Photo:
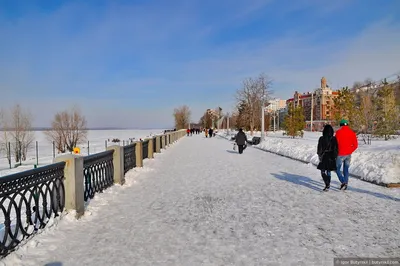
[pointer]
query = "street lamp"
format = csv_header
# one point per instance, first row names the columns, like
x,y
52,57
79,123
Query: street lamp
x,y
262,116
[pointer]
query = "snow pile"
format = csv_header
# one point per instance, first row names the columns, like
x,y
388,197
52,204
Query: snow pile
x,y
378,163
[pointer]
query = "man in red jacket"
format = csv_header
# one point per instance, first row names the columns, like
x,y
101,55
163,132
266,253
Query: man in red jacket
x,y
347,144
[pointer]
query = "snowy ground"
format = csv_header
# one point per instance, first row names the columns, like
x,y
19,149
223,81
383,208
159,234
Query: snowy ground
x,y
96,140
378,162
201,203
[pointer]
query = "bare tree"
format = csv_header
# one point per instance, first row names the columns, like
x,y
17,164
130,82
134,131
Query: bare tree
x,y
206,120
17,130
250,98
68,129
182,117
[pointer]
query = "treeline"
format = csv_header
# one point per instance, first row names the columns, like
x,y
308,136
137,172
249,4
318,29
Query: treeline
x,y
370,108
68,129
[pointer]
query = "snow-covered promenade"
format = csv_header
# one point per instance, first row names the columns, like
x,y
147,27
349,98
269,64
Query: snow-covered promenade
x,y
201,203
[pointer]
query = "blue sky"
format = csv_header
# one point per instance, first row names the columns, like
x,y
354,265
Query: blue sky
x,y
129,63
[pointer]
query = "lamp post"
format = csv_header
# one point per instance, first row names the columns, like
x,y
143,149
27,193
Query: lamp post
x,y
227,122
262,117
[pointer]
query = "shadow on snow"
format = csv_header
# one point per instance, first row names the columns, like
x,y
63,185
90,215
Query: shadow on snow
x,y
318,186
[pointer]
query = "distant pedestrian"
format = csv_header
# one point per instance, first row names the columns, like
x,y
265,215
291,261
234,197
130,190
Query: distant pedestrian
x,y
188,132
210,132
347,144
241,140
327,153
206,132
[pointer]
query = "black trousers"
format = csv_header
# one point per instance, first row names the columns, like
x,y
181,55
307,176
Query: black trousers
x,y
326,176
241,148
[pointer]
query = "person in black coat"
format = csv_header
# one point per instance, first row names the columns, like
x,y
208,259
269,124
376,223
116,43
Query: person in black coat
x,y
241,140
327,152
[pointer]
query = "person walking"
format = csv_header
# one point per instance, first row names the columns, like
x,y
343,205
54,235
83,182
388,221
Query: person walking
x,y
327,151
210,132
347,144
241,140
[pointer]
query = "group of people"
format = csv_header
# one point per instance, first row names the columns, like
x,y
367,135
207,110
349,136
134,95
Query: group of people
x,y
208,132
334,151
191,131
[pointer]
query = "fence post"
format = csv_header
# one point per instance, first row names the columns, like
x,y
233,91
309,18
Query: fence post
x,y
73,183
158,144
37,153
54,150
139,154
118,162
150,151
9,154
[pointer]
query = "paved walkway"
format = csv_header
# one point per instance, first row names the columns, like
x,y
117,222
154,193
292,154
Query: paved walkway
x,y
200,203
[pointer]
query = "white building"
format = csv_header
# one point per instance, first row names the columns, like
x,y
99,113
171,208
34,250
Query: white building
x,y
276,104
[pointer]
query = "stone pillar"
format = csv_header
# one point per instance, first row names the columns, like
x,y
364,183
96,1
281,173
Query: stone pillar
x,y
158,144
118,162
150,149
139,154
73,183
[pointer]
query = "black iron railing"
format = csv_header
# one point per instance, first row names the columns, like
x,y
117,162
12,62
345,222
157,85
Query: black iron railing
x,y
98,171
155,145
28,200
129,157
145,149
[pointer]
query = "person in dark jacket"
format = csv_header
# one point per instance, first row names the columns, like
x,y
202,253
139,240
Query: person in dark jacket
x,y
327,152
210,132
241,140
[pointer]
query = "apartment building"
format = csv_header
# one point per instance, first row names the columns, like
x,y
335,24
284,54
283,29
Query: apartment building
x,y
318,102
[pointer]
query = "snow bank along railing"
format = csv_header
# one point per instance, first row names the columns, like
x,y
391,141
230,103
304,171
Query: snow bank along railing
x,y
393,185
98,172
29,200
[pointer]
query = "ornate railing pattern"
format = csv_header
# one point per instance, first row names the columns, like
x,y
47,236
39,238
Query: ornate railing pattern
x,y
28,200
155,145
98,171
129,157
145,148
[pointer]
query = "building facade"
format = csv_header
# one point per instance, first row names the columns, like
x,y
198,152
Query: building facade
x,y
276,104
318,105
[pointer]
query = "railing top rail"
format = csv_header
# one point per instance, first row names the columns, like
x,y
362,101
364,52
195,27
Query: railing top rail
x,y
97,156
12,177
20,181
130,146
